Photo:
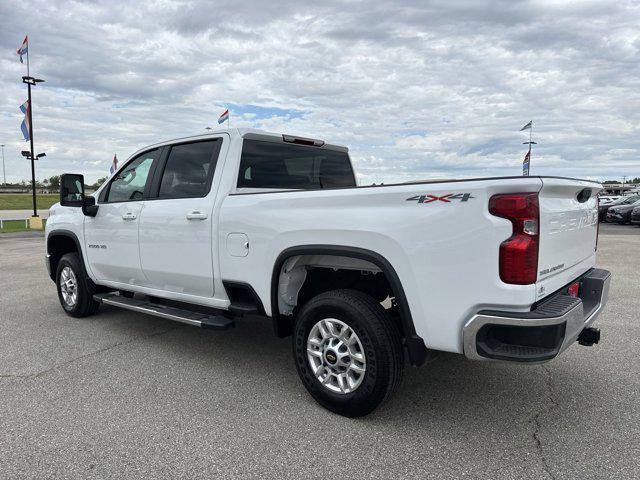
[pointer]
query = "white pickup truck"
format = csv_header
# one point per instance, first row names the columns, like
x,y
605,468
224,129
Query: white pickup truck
x,y
206,229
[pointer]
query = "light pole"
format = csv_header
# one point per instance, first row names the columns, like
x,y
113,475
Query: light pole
x,y
32,81
4,173
27,154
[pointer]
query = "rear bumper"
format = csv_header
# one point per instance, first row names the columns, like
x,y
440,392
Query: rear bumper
x,y
542,333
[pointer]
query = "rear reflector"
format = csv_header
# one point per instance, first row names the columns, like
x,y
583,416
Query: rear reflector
x,y
574,290
519,253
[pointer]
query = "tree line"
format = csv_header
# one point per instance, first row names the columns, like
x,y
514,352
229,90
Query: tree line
x,y
51,183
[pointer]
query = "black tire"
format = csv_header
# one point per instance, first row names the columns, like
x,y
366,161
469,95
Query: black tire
x,y
85,305
380,338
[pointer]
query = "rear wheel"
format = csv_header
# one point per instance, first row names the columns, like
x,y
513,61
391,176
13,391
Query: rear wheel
x,y
75,292
348,352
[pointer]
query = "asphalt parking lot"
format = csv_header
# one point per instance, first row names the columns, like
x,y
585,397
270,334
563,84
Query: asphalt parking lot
x,y
124,395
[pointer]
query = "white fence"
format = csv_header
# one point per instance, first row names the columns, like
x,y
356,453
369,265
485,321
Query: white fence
x,y
25,220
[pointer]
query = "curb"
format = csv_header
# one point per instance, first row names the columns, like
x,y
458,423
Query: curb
x,y
31,234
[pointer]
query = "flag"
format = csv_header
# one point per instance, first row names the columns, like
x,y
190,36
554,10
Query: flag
x,y
24,48
24,126
525,163
114,165
224,117
527,126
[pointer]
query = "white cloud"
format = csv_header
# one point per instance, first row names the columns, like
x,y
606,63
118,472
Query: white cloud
x,y
415,89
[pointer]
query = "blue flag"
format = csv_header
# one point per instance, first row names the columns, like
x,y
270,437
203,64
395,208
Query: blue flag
x,y
24,126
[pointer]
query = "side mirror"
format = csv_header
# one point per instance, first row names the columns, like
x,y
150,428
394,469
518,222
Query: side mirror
x,y
72,194
71,190
89,207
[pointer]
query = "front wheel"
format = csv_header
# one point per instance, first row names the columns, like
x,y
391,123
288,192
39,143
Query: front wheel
x,y
74,291
348,352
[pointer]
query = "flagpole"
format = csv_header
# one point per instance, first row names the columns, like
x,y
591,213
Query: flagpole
x,y
28,74
527,157
29,80
530,137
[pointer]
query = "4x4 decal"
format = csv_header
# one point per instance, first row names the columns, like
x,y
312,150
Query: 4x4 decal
x,y
463,197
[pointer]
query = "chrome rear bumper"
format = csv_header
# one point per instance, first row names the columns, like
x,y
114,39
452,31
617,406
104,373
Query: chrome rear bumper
x,y
544,332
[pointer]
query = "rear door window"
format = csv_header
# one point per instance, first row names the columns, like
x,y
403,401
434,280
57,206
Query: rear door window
x,y
286,166
189,169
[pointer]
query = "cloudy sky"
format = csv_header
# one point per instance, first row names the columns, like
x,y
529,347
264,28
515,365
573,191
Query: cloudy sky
x,y
416,89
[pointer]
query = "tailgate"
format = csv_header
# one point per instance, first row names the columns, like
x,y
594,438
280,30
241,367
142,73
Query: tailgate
x,y
568,232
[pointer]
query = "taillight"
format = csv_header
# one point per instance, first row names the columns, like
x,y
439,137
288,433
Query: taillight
x,y
519,253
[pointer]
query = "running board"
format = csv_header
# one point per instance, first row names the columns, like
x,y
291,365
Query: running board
x,y
189,317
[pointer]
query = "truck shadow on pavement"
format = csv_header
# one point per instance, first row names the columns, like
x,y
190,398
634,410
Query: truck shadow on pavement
x,y
449,392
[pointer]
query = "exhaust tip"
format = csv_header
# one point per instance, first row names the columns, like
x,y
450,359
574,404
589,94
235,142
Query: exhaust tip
x,y
589,336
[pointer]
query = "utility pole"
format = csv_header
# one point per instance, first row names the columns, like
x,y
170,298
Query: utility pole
x,y
624,179
4,173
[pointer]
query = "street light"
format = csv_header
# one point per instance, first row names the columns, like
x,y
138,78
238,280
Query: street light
x,y
31,81
27,155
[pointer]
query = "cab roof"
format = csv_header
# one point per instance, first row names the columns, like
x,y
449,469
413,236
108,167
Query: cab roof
x,y
253,133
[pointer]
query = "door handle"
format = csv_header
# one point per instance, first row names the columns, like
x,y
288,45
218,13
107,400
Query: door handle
x,y
196,215
129,216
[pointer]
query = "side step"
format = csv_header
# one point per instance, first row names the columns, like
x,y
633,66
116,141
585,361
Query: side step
x,y
243,308
189,317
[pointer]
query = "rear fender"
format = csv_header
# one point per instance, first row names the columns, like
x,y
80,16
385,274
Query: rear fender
x,y
418,352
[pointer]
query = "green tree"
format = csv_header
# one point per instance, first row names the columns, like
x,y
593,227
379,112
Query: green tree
x,y
54,182
99,182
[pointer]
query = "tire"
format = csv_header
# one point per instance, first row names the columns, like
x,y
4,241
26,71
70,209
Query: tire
x,y
377,335
83,305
